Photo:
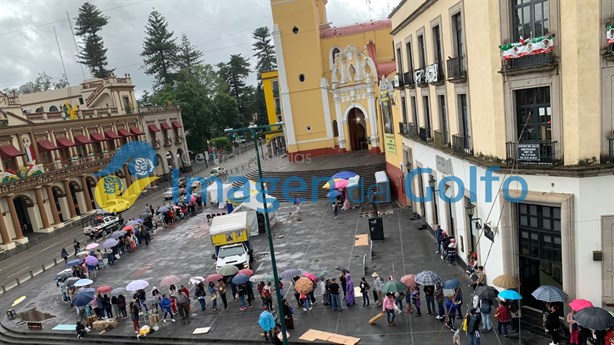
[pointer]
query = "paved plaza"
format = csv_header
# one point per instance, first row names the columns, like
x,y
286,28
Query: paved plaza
x,y
314,243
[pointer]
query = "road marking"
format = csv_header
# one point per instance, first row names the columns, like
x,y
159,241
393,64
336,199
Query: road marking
x,y
16,273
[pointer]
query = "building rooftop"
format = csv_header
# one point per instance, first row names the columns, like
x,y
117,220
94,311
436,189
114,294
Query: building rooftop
x,y
355,28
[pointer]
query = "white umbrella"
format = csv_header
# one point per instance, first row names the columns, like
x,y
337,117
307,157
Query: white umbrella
x,y
136,285
92,246
83,282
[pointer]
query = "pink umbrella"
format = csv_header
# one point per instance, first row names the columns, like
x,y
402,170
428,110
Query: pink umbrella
x,y
104,289
409,280
579,304
310,276
92,246
214,277
341,184
170,280
128,228
247,272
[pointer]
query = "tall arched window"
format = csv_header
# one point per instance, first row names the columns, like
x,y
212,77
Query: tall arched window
x,y
335,129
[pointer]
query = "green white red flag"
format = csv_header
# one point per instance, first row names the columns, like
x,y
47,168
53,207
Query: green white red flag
x,y
530,46
610,33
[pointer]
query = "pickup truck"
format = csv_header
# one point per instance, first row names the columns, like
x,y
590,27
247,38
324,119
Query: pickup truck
x,y
107,225
230,238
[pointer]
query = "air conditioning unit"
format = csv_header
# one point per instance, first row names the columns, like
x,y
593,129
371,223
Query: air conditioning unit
x,y
395,81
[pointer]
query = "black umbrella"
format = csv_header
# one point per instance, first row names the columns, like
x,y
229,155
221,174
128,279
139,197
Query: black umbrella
x,y
594,318
342,269
486,292
70,282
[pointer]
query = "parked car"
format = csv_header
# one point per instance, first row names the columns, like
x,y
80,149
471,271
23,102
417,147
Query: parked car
x,y
219,172
168,194
117,205
105,226
239,140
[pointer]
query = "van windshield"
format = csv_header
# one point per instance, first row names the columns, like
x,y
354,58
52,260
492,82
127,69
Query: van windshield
x,y
231,251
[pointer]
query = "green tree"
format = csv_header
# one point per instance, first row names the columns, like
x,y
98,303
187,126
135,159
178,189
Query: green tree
x,y
159,50
188,56
234,73
264,50
40,84
93,53
62,83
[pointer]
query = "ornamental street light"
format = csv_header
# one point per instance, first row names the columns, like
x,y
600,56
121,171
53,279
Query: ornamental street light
x,y
254,129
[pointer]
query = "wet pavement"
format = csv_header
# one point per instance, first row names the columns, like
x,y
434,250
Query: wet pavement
x,y
315,243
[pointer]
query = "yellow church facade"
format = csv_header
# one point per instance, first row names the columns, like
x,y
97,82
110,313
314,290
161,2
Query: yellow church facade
x,y
329,81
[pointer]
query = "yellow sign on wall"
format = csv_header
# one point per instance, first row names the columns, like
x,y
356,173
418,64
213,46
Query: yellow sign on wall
x,y
390,144
229,238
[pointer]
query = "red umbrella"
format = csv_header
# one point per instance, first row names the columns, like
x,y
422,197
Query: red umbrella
x,y
128,228
310,276
104,289
409,280
247,272
214,277
579,304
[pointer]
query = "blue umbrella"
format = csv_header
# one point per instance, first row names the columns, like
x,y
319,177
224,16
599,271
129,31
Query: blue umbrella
x,y
509,295
333,193
73,262
240,279
344,175
132,223
163,209
83,297
118,234
451,284
549,293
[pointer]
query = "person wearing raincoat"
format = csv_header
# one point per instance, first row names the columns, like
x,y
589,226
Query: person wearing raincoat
x,y
267,322
350,299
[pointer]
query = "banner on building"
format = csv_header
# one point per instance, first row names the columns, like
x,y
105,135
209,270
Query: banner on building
x,y
610,33
385,88
531,46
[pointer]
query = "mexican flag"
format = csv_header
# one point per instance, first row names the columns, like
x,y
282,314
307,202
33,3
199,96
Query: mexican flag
x,y
530,46
609,33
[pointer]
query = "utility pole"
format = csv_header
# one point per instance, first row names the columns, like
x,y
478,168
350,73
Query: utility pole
x,y
76,45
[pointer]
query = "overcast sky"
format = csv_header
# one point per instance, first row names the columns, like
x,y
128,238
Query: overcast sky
x,y
218,27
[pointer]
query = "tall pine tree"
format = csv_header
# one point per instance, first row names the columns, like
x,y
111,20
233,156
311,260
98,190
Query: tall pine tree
x,y
188,56
159,51
93,53
264,50
234,73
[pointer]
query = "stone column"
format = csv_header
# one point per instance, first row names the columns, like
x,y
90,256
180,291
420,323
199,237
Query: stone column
x,y
127,176
373,118
4,232
340,122
53,206
14,218
86,192
41,207
71,203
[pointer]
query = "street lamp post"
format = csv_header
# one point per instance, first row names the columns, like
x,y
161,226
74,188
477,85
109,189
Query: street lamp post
x,y
254,131
470,213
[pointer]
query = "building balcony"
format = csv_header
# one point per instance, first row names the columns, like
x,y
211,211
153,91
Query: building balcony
x,y
531,152
440,139
178,140
408,130
420,77
529,64
168,142
399,83
409,80
424,134
457,71
461,145
434,74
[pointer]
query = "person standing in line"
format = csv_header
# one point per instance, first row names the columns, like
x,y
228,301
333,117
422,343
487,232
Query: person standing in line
x,y
485,308
268,295
377,288
415,299
429,292
221,290
121,302
108,307
333,290
350,299
324,291
288,312
438,233
64,255
242,293
134,313
503,317
452,311
481,278
305,301
201,295
388,305
343,281
574,332
553,324
115,305
267,323
364,290
212,295
473,326
249,288
183,305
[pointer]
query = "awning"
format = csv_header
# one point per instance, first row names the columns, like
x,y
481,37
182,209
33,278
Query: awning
x,y
153,128
176,124
64,142
165,126
9,151
81,139
136,131
110,135
45,145
124,132
96,137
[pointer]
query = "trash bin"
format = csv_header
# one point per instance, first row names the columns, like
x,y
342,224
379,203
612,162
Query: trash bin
x,y
376,229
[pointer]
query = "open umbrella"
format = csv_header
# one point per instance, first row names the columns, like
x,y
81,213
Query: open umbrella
x,y
303,285
342,269
118,291
110,243
214,277
451,284
145,215
336,183
136,285
509,295
247,272
196,280
549,293
322,275
240,279
163,209
579,304
344,175
409,280
17,301
139,220
506,281
83,297
73,262
83,282
91,261
426,278
333,194
394,287
70,282
104,289
486,292
261,278
169,280
310,276
92,246
83,253
118,234
228,270
448,292
67,273
290,273
594,318
128,228
131,223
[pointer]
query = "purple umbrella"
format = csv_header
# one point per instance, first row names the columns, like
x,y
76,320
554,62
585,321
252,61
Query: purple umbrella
x,y
91,261
344,175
